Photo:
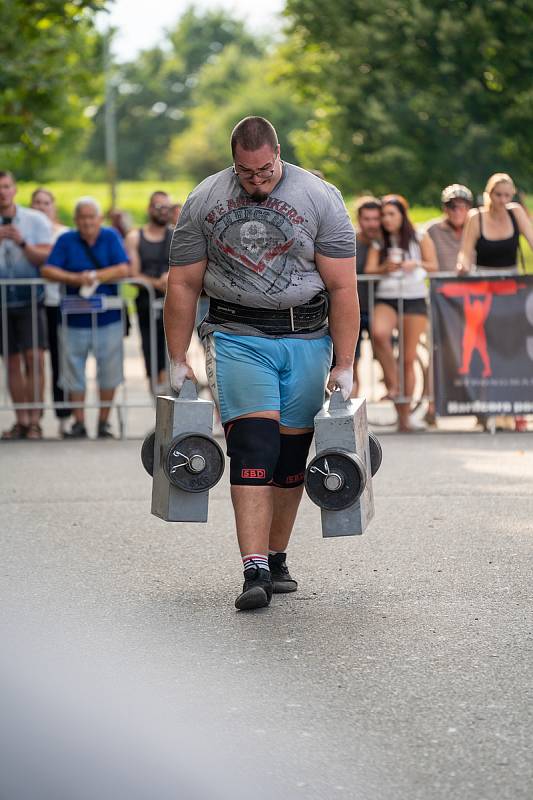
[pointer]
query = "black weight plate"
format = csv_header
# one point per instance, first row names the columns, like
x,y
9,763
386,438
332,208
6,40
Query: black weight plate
x,y
147,453
194,444
353,472
376,453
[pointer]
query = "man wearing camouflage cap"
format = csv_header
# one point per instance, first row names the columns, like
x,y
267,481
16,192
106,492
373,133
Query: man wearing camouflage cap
x,y
447,231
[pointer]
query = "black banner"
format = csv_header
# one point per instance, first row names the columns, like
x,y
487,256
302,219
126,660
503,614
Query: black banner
x,y
483,345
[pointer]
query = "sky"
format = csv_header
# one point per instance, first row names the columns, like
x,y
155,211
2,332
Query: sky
x,y
141,24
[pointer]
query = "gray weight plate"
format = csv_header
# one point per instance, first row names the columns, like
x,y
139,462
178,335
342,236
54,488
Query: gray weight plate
x,y
376,453
335,480
147,453
194,462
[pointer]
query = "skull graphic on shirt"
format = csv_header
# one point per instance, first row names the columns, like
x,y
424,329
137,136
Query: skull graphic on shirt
x,y
254,237
252,250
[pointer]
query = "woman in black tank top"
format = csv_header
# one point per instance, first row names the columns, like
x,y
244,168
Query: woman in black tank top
x,y
497,253
492,232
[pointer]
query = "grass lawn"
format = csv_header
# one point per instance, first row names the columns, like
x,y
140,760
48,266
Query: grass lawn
x,y
132,196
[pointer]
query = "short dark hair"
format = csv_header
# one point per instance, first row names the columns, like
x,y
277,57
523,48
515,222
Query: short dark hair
x,y
367,202
5,173
154,194
251,133
41,189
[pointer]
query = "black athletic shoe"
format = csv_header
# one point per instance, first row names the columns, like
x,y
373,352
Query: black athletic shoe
x,y
257,590
281,578
104,431
77,431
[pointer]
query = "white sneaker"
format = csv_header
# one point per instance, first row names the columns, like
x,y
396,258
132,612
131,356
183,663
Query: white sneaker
x,y
417,424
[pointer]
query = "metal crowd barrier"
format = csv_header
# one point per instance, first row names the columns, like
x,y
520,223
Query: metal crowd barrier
x,y
424,390
92,305
98,303
423,365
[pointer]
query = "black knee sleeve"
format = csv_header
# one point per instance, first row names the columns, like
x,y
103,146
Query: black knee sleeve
x,y
253,447
290,469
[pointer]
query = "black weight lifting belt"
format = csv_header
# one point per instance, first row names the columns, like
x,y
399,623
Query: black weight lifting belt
x,y
306,318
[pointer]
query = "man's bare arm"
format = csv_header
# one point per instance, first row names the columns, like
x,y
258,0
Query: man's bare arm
x,y
131,243
35,253
179,315
116,272
58,275
340,279
86,278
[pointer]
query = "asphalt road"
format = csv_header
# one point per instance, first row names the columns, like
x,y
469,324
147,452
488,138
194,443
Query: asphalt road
x,y
401,669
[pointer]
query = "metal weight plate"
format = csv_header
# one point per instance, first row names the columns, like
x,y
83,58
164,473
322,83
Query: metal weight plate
x,y
335,479
194,462
376,453
147,453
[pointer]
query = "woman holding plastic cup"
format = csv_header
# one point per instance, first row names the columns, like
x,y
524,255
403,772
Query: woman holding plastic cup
x,y
404,259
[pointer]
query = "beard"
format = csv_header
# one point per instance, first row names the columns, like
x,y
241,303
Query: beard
x,y
160,222
259,196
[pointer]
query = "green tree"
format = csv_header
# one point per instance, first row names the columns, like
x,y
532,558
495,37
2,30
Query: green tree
x,y
48,75
154,92
228,89
411,95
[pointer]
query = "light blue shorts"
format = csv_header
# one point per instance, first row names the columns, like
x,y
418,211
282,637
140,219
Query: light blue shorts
x,y
106,344
252,373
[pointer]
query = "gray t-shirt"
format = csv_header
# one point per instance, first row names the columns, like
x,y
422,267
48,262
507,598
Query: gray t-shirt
x,y
447,243
35,228
262,254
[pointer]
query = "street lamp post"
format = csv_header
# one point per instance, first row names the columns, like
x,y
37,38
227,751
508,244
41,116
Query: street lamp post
x,y
110,124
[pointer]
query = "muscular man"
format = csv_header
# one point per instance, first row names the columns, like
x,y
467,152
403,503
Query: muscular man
x,y
148,250
271,245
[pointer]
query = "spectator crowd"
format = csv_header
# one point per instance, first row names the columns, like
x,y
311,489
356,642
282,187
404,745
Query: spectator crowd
x,y
78,310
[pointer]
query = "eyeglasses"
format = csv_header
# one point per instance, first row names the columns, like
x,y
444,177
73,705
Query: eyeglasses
x,y
249,174
161,208
454,206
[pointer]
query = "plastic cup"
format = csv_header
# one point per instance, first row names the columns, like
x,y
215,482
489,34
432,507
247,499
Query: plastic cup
x,y
395,255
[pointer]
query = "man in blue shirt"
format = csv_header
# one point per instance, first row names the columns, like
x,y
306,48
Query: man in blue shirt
x,y
89,261
25,242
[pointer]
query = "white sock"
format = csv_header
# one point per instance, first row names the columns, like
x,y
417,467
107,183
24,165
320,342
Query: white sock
x,y
258,560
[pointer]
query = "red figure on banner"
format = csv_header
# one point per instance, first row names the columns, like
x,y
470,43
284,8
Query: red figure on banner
x,y
474,338
476,313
